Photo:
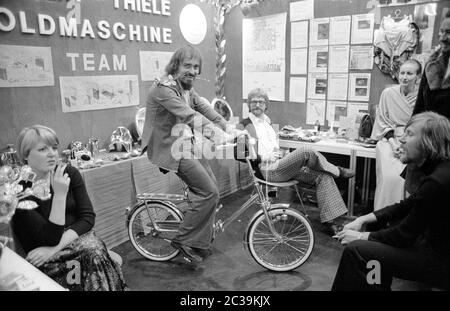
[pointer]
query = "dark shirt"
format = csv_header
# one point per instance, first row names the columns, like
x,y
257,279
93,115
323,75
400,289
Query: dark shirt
x,y
436,98
34,229
424,214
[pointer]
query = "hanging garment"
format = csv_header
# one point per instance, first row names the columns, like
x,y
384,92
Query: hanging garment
x,y
395,42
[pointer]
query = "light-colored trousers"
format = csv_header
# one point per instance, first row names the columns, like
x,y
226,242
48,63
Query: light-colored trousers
x,y
390,185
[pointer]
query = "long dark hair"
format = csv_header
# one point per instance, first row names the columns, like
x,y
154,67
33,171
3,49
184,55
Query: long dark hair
x,y
183,53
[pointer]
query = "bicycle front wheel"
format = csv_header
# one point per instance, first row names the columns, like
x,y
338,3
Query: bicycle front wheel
x,y
149,242
287,253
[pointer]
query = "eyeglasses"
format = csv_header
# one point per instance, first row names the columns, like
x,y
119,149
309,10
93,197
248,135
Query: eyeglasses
x,y
261,101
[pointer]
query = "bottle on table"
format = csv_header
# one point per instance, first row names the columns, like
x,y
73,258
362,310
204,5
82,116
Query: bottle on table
x,y
317,126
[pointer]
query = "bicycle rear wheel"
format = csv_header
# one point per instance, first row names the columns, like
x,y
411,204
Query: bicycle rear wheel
x,y
149,242
295,246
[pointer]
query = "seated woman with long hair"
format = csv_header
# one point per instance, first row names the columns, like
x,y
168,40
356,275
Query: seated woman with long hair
x,y
57,235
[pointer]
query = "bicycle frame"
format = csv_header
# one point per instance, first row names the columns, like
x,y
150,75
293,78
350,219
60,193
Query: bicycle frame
x,y
170,199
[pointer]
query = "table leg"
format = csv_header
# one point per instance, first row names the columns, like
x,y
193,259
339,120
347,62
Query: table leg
x,y
366,180
351,184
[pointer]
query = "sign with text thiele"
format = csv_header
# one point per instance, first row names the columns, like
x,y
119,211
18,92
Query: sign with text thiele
x,y
94,44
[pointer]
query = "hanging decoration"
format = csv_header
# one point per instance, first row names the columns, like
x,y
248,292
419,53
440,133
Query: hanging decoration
x,y
396,41
221,8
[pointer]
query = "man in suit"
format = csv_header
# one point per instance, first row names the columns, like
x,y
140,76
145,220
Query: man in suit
x,y
303,164
174,113
414,242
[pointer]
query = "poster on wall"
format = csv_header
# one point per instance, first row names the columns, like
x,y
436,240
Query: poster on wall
x,y
337,86
359,86
25,66
319,31
317,85
80,93
355,110
340,30
361,57
318,58
299,59
264,42
299,34
315,111
303,9
153,64
362,28
335,110
297,89
338,58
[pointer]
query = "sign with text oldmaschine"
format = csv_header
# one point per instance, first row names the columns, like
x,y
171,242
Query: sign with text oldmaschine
x,y
95,42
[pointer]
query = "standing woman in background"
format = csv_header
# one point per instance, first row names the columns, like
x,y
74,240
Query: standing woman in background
x,y
394,111
58,233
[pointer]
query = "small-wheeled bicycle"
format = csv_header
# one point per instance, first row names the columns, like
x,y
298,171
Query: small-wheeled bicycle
x,y
278,237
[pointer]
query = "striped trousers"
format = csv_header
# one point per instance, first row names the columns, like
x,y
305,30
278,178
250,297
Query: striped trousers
x,y
310,167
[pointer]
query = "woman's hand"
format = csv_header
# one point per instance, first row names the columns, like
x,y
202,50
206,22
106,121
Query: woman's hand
x,y
347,236
38,256
60,181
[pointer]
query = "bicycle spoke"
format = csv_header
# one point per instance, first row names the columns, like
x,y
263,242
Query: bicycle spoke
x,y
284,254
300,251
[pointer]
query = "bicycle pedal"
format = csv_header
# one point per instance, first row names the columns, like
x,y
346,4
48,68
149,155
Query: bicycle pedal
x,y
140,234
187,259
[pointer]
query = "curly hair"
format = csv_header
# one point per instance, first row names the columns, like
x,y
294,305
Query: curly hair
x,y
258,92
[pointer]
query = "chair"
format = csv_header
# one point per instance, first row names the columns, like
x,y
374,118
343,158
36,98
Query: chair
x,y
245,152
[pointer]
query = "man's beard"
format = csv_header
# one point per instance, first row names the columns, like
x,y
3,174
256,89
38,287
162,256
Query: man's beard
x,y
186,86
